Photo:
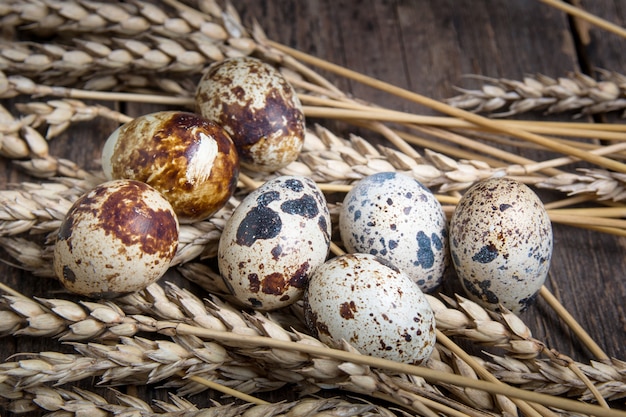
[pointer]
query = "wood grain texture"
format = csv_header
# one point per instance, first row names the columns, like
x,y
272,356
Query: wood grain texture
x,y
427,46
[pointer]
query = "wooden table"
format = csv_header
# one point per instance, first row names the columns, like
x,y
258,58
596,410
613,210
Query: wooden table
x,y
428,46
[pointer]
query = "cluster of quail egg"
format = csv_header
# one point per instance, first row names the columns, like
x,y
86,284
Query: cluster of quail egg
x,y
174,167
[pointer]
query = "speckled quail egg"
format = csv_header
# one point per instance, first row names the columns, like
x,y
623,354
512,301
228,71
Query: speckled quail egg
x,y
369,303
395,217
116,239
190,160
501,243
259,109
274,239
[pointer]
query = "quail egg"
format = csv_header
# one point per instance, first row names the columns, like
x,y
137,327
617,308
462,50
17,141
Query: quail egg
x,y
369,303
273,241
257,107
395,217
116,239
501,243
190,160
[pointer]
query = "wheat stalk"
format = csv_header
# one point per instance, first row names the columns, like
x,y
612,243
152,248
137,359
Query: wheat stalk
x,y
60,114
128,43
77,402
579,13
556,379
137,360
109,321
576,92
141,361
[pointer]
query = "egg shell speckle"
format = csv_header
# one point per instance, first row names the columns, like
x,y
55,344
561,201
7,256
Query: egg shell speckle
x,y
373,306
190,160
116,239
274,239
257,107
395,217
501,243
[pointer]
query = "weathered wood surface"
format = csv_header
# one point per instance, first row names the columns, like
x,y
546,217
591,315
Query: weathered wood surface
x,y
429,46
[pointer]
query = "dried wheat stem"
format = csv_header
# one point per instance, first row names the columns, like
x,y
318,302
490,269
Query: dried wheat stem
x,y
589,17
5,288
394,137
606,127
452,111
384,115
609,212
223,389
603,229
82,94
568,201
575,129
571,322
431,404
539,166
592,388
587,220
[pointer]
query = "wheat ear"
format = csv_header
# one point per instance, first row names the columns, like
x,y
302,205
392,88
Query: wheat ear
x,y
575,92
78,402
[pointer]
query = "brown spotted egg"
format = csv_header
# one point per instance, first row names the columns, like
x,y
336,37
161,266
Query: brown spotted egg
x,y
369,303
395,217
190,160
501,243
116,239
274,239
257,107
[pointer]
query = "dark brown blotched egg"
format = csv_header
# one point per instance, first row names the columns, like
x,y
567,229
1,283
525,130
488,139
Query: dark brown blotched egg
x,y
258,108
190,160
376,308
273,241
501,243
116,239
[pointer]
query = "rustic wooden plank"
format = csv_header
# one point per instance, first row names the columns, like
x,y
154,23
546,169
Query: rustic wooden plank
x,y
598,269
428,47
604,50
